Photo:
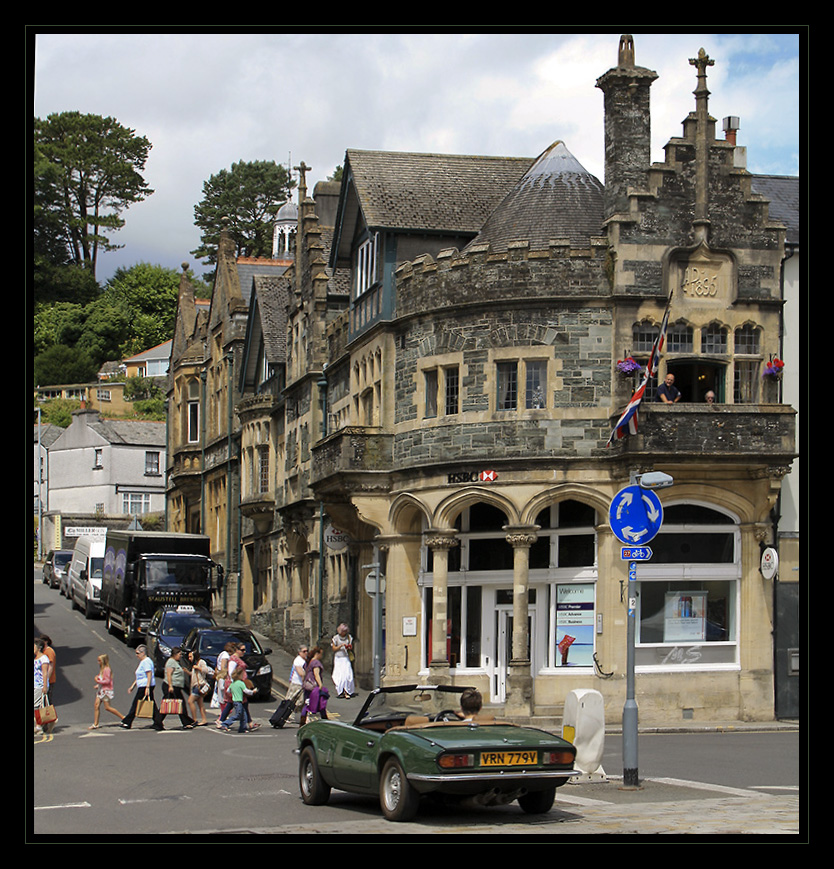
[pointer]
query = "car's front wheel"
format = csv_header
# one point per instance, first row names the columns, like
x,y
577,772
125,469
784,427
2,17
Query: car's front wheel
x,y
314,789
538,802
397,797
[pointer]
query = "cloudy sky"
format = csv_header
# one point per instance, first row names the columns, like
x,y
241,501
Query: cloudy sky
x,y
207,100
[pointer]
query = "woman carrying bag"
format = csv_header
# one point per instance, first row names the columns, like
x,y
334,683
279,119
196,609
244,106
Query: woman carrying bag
x,y
314,689
144,704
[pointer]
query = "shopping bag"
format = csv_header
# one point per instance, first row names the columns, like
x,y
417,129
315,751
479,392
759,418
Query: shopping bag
x,y
144,709
170,706
45,714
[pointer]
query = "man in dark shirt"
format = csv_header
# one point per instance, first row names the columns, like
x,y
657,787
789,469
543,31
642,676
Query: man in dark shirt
x,y
667,392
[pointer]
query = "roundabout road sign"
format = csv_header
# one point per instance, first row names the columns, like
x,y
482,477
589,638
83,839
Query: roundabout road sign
x,y
635,515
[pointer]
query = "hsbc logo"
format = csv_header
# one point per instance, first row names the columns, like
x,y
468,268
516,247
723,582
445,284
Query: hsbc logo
x,y
473,477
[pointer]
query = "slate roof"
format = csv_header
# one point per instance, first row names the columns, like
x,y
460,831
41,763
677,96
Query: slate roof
x,y
556,198
783,193
130,432
431,192
272,294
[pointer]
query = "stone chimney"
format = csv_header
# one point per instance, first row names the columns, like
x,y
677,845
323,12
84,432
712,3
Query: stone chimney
x,y
627,127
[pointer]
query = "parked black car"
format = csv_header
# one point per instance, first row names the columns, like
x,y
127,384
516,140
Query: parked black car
x,y
210,642
168,628
56,565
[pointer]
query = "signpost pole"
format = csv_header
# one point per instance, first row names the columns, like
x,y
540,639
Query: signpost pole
x,y
630,715
635,516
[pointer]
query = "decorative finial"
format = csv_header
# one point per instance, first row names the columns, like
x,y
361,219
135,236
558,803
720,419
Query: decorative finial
x,y
626,51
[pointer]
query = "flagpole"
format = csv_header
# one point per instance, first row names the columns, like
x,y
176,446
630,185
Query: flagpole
x,y
629,415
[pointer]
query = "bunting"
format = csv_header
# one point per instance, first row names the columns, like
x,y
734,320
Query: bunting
x,y
628,419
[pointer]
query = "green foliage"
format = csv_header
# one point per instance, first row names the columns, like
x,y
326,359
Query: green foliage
x,y
140,388
60,364
136,310
150,408
149,293
87,170
244,200
58,411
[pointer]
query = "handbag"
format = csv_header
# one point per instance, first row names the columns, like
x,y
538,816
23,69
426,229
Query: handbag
x,y
170,706
45,714
144,709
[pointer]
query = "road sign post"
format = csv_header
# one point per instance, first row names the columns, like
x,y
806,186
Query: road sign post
x,y
635,516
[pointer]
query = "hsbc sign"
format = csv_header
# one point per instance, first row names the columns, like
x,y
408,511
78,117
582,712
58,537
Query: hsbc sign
x,y
472,477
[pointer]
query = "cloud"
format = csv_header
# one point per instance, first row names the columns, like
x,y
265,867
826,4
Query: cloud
x,y
207,100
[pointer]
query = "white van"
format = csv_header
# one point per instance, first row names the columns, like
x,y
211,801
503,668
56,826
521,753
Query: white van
x,y
85,572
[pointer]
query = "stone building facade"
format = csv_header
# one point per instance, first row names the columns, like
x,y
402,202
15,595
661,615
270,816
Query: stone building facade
x,y
450,386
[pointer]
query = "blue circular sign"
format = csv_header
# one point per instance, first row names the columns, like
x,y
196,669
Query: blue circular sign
x,y
635,515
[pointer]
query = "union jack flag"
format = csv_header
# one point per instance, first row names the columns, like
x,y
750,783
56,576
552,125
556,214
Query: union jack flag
x,y
628,419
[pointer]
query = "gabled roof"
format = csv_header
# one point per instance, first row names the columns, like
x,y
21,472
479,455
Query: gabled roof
x,y
556,198
266,325
429,193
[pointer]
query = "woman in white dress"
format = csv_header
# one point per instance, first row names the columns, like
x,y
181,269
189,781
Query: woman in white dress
x,y
342,645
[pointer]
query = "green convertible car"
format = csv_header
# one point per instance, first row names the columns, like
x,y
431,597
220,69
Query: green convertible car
x,y
410,741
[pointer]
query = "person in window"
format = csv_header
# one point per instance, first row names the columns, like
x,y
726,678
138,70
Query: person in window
x,y
667,392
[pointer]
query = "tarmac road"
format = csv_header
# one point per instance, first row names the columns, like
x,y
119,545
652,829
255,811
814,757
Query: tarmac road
x,y
203,783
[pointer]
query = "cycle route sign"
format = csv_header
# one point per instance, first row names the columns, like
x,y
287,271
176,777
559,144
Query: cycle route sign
x,y
635,515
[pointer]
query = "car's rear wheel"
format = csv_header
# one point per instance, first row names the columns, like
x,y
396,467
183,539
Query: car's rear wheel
x,y
538,802
314,789
397,797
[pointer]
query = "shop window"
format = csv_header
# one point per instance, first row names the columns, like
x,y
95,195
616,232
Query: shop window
x,y
687,593
463,624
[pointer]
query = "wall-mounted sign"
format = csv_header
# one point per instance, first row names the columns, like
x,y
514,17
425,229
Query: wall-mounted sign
x,y
770,563
472,477
335,539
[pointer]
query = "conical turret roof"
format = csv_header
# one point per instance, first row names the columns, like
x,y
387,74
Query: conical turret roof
x,y
556,198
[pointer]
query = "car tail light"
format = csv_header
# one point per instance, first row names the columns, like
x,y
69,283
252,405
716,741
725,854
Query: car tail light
x,y
560,757
455,761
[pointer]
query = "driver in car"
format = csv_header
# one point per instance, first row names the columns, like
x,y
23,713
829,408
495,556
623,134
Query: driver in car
x,y
470,704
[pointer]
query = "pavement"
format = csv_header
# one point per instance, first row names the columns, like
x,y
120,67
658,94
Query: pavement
x,y
282,664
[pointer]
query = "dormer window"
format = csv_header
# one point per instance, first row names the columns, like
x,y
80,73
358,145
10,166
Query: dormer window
x,y
367,291
366,266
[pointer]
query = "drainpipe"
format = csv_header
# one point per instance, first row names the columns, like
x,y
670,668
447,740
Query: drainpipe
x,y
322,385
230,364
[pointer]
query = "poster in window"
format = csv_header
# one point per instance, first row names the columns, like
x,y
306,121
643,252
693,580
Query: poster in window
x,y
574,625
685,617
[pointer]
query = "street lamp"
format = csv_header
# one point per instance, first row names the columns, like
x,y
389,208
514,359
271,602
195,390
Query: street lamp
x,y
651,480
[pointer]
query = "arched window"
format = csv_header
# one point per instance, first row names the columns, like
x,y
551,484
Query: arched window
x,y
687,593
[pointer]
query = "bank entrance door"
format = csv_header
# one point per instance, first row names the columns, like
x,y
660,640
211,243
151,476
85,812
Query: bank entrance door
x,y
504,648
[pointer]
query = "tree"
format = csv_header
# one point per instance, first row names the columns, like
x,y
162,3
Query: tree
x,y
87,171
150,294
61,364
244,200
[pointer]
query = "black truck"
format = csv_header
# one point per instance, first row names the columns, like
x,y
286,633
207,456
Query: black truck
x,y
146,570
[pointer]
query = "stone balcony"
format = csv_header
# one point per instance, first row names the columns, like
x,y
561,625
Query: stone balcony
x,y
730,432
355,451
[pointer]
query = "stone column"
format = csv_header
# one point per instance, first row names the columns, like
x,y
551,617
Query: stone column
x,y
519,677
440,542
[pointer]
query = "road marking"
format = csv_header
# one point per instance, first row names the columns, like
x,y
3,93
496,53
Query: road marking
x,y
703,786
124,802
774,788
84,805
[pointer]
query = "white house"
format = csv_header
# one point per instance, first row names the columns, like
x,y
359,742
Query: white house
x,y
107,466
